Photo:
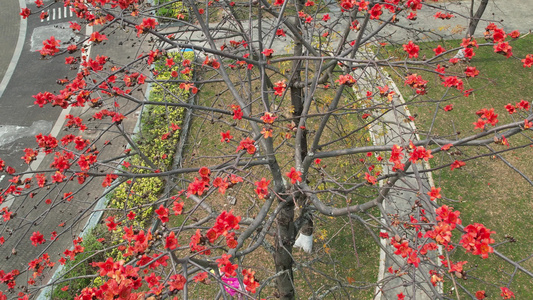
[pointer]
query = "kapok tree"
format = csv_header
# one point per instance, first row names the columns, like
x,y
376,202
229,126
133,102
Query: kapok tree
x,y
262,126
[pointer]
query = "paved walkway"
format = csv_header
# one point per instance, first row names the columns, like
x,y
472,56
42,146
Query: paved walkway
x,y
394,127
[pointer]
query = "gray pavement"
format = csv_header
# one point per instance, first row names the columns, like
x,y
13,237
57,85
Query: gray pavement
x,y
20,120
9,32
393,128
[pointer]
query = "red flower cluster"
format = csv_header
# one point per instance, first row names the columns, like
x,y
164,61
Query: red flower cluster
x,y
47,142
495,34
504,48
248,145
416,82
370,179
50,47
162,213
25,12
225,222
9,278
477,239
447,221
419,153
121,283
453,81
37,238
443,16
109,178
38,265
226,266
148,23
110,223
171,242
211,63
434,193
97,37
268,118
457,165
471,72
486,116
405,250
506,293
396,158
198,186
249,280
221,184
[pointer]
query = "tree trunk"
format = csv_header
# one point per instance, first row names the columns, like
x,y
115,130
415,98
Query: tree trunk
x,y
286,230
283,254
474,18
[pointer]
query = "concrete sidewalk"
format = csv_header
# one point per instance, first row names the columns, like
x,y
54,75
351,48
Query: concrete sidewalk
x,y
394,127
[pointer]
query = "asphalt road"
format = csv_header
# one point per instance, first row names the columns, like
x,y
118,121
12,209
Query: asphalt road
x,y
20,119
9,29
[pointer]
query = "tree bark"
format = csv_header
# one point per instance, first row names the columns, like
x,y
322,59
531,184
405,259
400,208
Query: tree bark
x,y
283,254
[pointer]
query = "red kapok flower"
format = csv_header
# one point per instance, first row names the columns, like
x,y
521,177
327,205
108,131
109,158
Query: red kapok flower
x,y
376,12
25,12
528,61
480,295
279,88
506,293
411,49
268,52
268,118
294,175
434,193
439,50
457,165
247,144
162,213
262,188
171,242
37,238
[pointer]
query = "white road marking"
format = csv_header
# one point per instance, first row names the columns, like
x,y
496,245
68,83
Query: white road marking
x,y
67,12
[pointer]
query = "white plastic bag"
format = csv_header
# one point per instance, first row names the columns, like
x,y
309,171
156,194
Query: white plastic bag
x,y
305,242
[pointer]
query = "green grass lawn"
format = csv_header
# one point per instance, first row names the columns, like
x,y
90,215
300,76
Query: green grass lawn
x,y
485,190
